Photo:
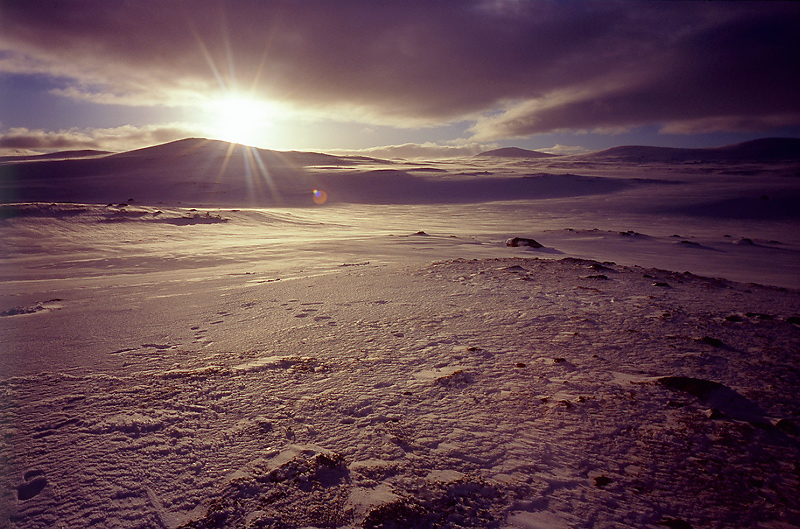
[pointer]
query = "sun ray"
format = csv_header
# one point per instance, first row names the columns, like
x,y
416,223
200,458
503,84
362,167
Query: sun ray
x,y
225,161
266,176
207,55
239,117
248,175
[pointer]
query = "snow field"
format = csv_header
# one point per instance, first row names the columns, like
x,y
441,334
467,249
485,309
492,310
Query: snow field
x,y
163,365
494,393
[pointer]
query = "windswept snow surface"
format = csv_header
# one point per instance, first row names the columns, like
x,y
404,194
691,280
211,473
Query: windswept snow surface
x,y
397,365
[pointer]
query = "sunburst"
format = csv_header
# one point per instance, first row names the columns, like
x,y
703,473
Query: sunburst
x,y
239,119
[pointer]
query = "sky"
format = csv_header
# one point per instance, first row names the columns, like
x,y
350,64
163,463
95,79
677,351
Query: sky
x,y
396,77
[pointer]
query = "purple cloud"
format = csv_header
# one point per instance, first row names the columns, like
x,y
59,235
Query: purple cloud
x,y
512,68
115,139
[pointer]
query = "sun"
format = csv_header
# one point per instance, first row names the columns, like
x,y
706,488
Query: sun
x,y
239,119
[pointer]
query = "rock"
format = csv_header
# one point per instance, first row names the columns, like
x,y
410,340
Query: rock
x,y
522,241
787,426
293,488
602,481
396,515
694,386
724,402
675,523
461,503
456,379
713,342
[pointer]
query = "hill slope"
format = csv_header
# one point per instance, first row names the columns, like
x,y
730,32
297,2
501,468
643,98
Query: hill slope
x,y
764,150
61,155
203,172
516,152
190,171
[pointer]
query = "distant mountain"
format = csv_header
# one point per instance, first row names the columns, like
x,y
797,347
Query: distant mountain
x,y
201,148
765,150
516,152
199,172
189,171
62,155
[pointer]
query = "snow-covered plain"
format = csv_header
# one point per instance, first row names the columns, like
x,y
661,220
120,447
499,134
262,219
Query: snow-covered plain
x,y
385,360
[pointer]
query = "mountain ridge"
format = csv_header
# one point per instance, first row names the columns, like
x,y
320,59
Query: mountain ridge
x,y
516,152
760,150
763,149
58,155
199,171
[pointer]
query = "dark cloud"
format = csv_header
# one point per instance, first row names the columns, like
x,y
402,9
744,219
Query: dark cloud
x,y
115,139
515,68
38,141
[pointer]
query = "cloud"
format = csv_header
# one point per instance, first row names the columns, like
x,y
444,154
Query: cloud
x,y
411,151
512,68
736,123
123,138
565,150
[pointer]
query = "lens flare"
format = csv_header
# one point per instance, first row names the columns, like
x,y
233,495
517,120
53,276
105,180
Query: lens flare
x,y
320,196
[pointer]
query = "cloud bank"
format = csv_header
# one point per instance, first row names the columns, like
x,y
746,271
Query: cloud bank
x,y
511,68
22,140
412,151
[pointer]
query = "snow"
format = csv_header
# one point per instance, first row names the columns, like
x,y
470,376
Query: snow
x,y
208,366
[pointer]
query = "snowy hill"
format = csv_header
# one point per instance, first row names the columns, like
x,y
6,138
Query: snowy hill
x,y
758,151
191,171
197,171
205,172
516,152
61,155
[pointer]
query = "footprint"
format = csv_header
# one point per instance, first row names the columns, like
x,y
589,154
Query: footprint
x,y
34,483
